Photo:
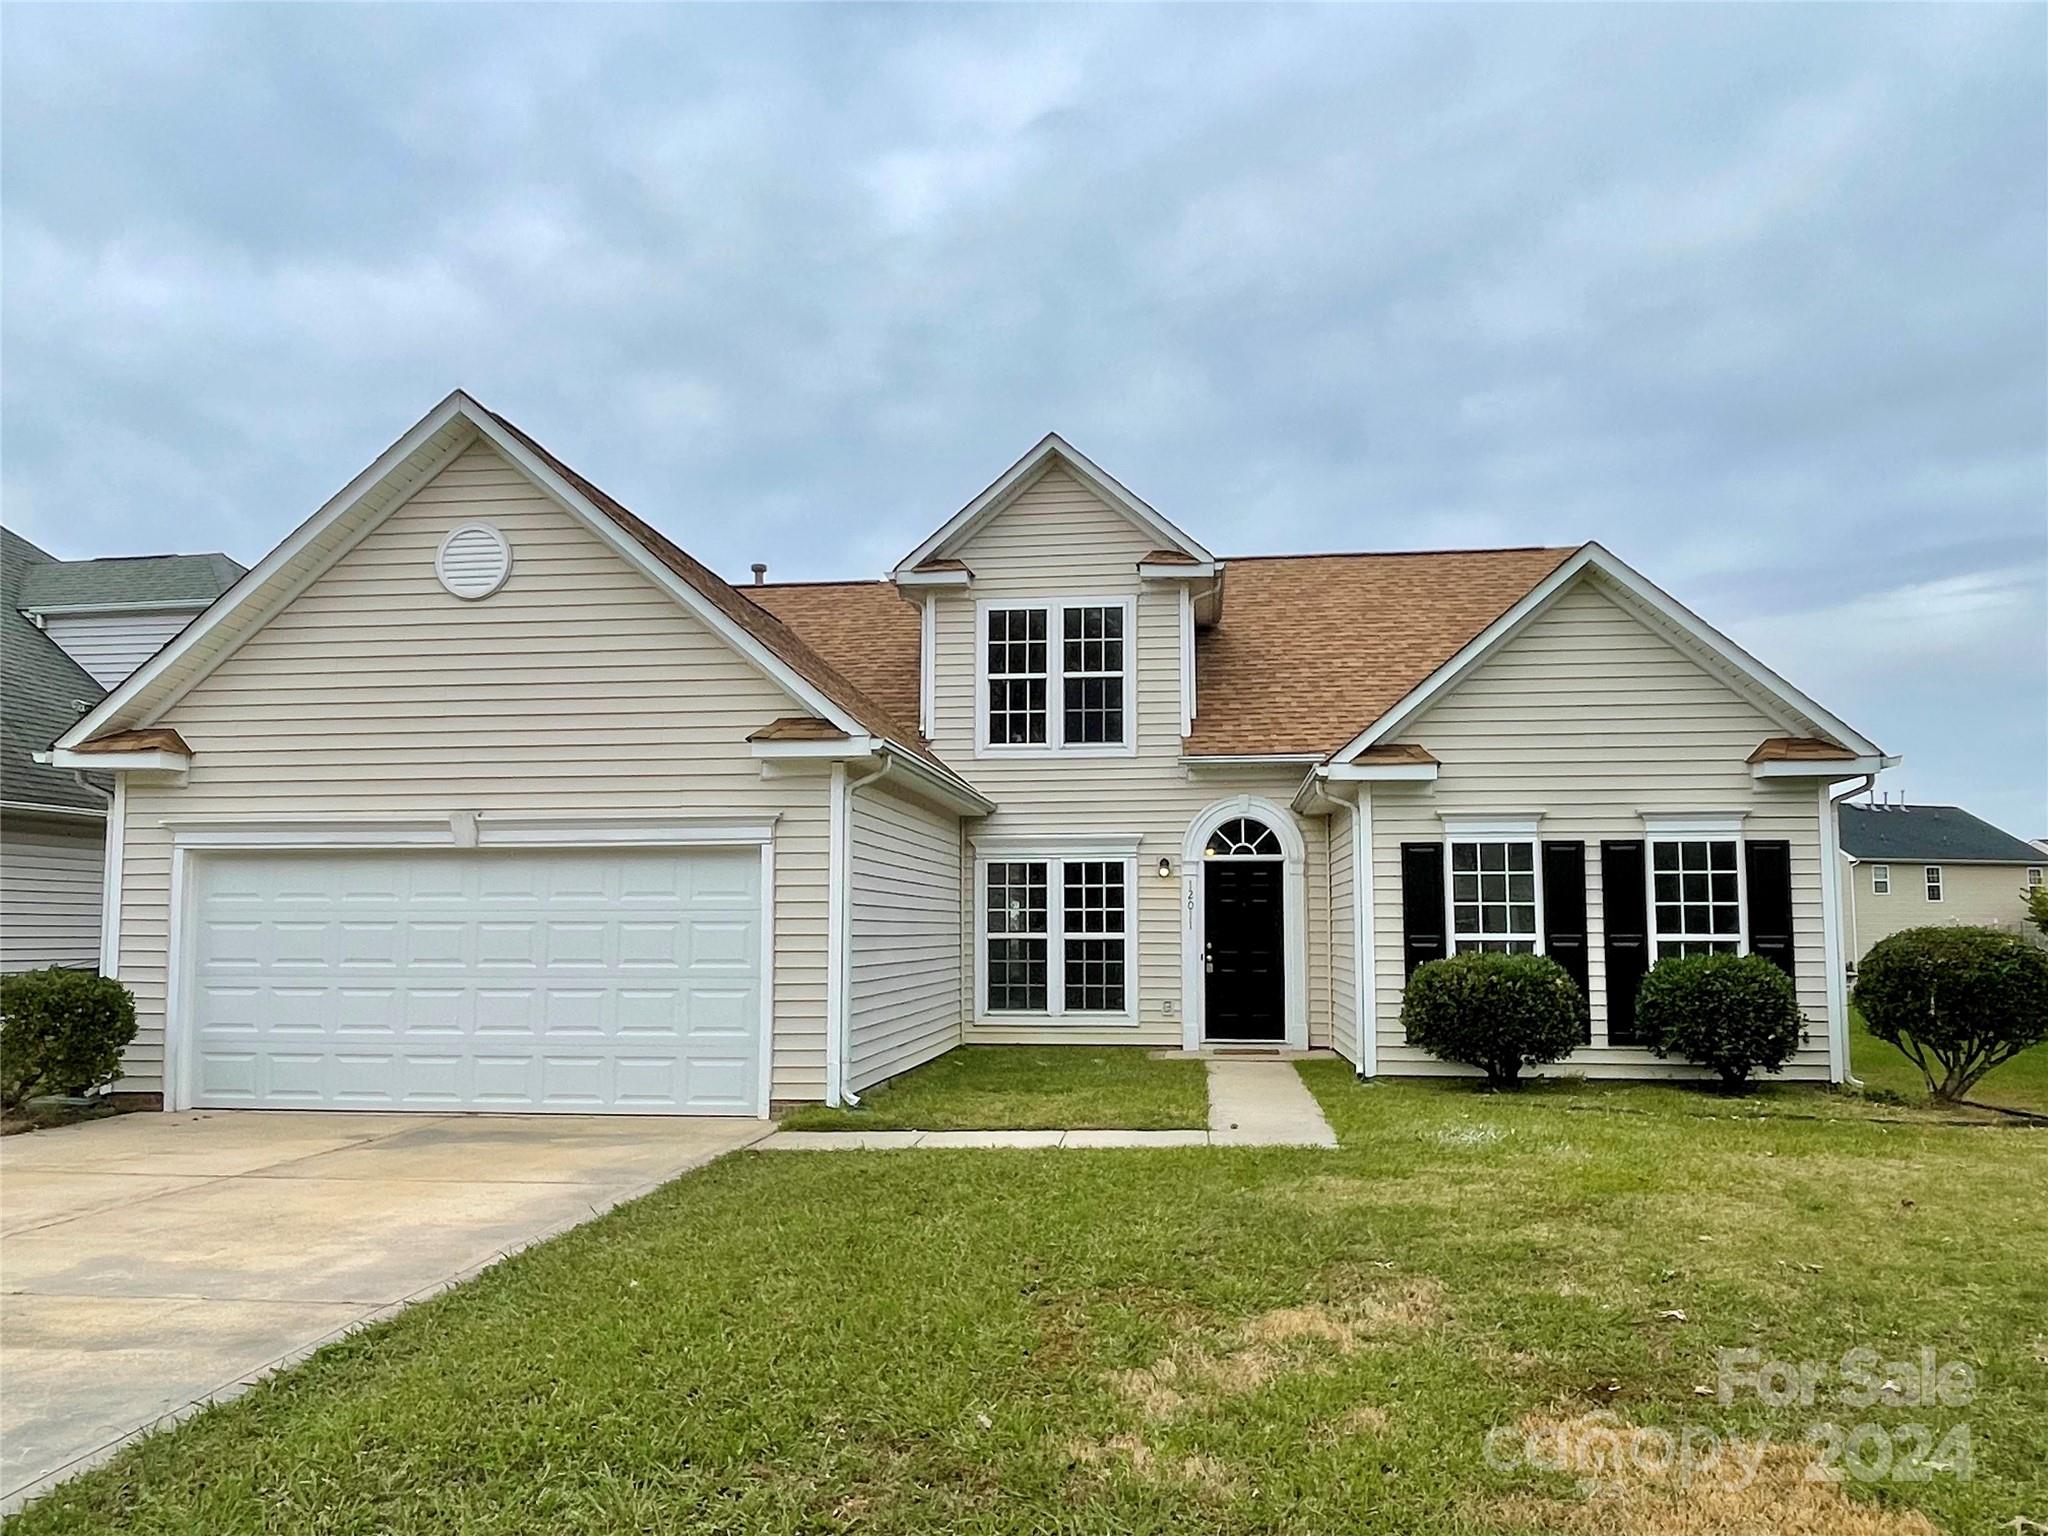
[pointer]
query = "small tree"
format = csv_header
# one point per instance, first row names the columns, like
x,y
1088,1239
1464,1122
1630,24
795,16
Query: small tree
x,y
1499,1013
2037,908
1733,1013
1962,999
61,1031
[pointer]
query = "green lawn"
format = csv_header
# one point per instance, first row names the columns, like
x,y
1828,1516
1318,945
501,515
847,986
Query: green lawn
x,y
1024,1088
2021,1083
1230,1341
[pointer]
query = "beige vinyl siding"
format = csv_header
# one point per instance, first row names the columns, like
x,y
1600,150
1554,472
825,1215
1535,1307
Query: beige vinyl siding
x,y
111,645
1592,718
1059,540
1343,938
51,874
1991,895
579,687
905,996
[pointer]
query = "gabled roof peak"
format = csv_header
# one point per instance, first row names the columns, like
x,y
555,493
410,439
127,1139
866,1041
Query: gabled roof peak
x,y
1048,451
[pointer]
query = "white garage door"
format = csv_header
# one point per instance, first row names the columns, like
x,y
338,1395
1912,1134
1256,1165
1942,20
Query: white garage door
x,y
519,981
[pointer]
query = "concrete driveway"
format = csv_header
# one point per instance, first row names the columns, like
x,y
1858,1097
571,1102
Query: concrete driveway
x,y
152,1262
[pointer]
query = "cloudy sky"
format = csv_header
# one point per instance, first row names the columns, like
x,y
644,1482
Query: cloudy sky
x,y
1756,296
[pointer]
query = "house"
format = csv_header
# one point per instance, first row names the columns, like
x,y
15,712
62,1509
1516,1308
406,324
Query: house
x,y
1912,866
69,629
477,792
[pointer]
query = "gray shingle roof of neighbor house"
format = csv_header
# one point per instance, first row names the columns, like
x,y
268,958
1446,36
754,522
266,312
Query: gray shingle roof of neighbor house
x,y
1935,833
45,690
127,581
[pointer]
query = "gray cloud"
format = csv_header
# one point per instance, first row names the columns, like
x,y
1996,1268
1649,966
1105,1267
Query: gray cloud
x,y
1758,297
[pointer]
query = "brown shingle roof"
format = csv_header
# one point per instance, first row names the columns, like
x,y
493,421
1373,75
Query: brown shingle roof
x,y
1311,649
1799,749
867,629
754,619
155,738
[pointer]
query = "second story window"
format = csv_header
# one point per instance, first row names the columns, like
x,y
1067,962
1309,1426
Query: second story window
x,y
1056,676
1016,676
1933,874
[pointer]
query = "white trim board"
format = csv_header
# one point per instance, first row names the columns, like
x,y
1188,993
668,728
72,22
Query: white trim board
x,y
1048,451
1799,712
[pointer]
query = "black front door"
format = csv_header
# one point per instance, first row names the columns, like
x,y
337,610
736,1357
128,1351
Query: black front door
x,y
1246,972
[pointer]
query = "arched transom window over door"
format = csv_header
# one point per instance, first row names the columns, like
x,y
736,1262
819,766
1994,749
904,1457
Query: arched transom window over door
x,y
1243,838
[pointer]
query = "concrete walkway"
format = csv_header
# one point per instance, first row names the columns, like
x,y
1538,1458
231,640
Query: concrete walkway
x,y
153,1263
1251,1104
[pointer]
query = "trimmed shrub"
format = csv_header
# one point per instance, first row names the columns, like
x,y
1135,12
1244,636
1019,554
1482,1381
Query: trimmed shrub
x,y
1734,1014
1499,1013
1960,999
61,1031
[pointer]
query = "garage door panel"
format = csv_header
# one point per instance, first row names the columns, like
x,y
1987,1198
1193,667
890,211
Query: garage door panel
x,y
529,980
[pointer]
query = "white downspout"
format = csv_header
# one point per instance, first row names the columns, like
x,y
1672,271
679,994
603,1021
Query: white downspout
x,y
1831,929
838,940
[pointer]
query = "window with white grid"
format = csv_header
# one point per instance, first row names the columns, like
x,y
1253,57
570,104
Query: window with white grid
x,y
1493,897
1018,938
1018,676
1056,676
1093,928
1696,896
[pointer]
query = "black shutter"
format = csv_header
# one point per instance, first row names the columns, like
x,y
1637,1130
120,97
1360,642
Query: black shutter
x,y
1564,912
1770,901
1624,911
1422,903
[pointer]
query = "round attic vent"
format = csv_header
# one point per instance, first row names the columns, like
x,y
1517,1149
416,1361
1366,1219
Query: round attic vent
x,y
473,561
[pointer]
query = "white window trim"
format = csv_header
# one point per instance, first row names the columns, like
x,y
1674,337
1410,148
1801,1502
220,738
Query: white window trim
x,y
1931,881
1695,830
1880,879
1194,916
2034,876
1055,1010
1055,743
1522,830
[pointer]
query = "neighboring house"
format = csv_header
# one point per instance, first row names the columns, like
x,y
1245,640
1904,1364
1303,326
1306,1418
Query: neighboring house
x,y
478,793
68,630
1911,866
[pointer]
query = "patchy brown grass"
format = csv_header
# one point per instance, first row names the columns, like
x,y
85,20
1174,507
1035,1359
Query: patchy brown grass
x,y
1632,1487
1365,1419
1196,1371
1135,1457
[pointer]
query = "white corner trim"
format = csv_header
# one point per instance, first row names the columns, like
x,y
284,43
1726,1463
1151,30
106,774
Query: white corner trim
x,y
1040,845
110,883
1020,476
1189,694
1693,823
1365,922
764,1089
927,665
1539,597
838,850
1831,933
1508,825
